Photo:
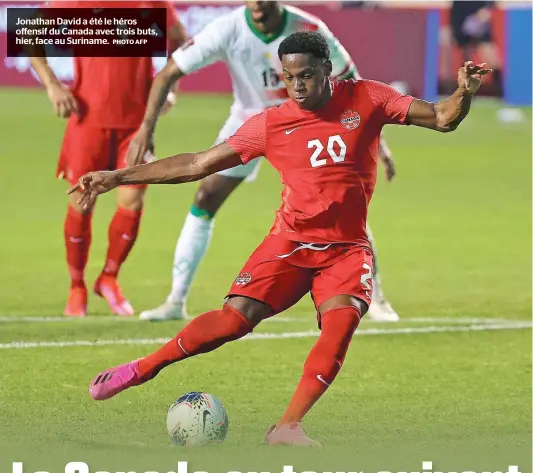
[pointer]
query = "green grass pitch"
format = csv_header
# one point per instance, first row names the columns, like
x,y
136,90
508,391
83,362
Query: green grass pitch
x,y
450,383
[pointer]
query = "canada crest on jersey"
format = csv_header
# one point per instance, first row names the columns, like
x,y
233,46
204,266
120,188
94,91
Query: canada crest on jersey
x,y
243,279
350,120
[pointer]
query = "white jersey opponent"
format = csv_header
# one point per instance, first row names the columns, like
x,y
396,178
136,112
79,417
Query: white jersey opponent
x,y
253,63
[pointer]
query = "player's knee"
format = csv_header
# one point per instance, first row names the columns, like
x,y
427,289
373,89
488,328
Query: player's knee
x,y
343,301
253,310
131,199
73,202
213,192
341,320
209,199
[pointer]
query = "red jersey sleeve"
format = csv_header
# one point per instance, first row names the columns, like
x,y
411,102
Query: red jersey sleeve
x,y
392,104
172,15
249,141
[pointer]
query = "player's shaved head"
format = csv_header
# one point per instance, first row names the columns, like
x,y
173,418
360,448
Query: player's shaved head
x,y
306,68
303,42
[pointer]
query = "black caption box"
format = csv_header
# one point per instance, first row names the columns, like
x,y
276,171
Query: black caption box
x,y
87,32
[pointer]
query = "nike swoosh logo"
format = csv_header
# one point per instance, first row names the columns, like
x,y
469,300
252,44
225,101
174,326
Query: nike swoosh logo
x,y
288,132
322,380
206,413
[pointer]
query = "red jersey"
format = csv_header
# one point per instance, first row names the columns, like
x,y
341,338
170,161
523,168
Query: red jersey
x,y
327,159
113,91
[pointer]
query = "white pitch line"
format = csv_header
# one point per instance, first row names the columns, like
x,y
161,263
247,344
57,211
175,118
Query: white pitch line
x,y
457,320
270,336
15,319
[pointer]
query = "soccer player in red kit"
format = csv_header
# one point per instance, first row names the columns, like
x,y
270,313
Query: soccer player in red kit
x,y
324,142
104,107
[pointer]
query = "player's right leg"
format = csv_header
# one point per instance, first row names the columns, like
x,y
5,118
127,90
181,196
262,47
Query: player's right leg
x,y
203,334
197,230
260,291
77,234
84,149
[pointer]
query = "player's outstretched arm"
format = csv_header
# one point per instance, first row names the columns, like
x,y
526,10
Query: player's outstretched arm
x,y
185,167
446,116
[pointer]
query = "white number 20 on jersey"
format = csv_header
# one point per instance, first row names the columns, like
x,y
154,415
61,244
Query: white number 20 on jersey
x,y
336,149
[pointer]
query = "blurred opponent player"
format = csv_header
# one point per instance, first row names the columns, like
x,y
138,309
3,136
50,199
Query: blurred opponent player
x,y
471,23
323,141
247,41
104,108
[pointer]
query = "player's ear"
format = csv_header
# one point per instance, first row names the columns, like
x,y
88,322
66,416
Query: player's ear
x,y
328,67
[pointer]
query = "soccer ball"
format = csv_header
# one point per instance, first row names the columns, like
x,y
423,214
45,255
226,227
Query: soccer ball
x,y
196,419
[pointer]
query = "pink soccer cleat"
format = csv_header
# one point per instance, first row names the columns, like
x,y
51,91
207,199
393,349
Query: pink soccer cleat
x,y
77,302
108,288
115,380
289,434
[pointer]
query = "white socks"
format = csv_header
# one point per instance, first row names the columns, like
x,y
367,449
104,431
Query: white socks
x,y
190,249
377,291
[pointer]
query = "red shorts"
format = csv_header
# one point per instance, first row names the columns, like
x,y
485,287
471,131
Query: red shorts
x,y
86,148
280,272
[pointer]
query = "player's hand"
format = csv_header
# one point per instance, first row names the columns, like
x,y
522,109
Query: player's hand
x,y
470,76
169,103
63,101
390,167
93,184
385,156
140,144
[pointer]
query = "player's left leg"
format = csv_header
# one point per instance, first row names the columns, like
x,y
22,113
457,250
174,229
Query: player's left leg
x,y
122,234
340,318
380,309
342,294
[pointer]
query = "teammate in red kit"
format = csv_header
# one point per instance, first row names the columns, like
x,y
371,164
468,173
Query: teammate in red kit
x,y
104,107
324,142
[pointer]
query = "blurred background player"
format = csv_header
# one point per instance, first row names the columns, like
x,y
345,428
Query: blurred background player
x,y
104,107
246,40
471,23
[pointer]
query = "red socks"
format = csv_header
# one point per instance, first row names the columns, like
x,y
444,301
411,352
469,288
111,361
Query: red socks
x,y
123,232
203,334
324,361
217,327
77,232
